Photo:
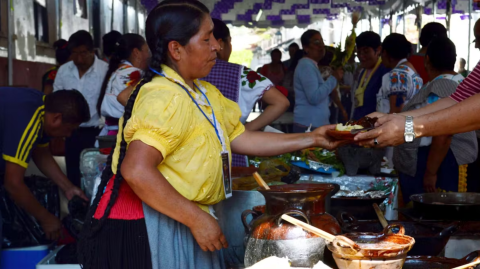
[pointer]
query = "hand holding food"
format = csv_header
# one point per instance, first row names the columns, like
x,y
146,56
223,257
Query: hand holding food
x,y
389,132
323,139
344,131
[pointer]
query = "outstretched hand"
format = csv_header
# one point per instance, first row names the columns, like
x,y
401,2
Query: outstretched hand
x,y
323,140
389,131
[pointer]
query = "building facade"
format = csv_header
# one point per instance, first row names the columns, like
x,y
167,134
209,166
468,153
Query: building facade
x,y
37,24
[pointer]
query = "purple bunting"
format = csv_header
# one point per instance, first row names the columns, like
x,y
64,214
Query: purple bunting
x,y
149,4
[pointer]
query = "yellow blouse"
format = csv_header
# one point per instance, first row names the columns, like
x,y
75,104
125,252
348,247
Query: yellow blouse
x,y
165,117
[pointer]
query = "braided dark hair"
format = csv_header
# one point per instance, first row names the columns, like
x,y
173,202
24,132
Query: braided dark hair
x,y
123,51
171,20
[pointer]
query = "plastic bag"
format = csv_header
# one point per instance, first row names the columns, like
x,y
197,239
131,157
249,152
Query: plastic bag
x,y
92,164
20,229
78,208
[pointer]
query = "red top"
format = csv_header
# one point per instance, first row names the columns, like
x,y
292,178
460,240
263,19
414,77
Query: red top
x,y
275,78
282,89
418,62
469,86
127,206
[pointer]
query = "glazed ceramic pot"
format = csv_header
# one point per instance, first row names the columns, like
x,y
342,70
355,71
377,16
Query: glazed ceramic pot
x,y
271,236
378,250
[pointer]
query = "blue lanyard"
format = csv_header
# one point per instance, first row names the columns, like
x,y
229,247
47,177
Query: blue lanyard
x,y
214,123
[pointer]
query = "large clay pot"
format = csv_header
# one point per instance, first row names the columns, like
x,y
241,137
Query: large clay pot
x,y
379,251
270,236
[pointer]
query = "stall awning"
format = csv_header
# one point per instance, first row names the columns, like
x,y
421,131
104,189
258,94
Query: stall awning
x,y
301,13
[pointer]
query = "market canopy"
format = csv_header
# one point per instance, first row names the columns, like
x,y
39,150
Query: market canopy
x,y
301,13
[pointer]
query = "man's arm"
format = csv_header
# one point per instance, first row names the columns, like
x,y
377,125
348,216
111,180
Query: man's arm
x,y
277,105
460,118
23,197
456,119
434,107
48,166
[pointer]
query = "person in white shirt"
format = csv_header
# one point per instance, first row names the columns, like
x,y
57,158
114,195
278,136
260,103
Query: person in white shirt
x,y
85,73
125,69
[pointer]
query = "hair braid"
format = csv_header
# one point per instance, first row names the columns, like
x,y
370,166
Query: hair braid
x,y
156,62
123,151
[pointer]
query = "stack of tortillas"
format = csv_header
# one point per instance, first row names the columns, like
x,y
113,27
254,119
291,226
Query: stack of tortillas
x,y
281,263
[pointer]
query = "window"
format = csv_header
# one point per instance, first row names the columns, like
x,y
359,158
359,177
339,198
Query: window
x,y
95,15
41,20
80,8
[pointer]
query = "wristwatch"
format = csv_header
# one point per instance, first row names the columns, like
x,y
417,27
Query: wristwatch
x,y
409,133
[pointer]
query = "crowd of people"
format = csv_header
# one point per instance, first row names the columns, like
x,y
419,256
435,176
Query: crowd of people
x,y
181,108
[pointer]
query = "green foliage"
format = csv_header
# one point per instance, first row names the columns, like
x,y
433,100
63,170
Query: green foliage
x,y
243,57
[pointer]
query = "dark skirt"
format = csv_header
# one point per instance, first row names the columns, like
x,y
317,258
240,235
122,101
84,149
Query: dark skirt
x,y
447,175
119,244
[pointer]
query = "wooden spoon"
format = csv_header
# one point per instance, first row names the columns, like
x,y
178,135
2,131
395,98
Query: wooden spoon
x,y
321,233
380,215
260,181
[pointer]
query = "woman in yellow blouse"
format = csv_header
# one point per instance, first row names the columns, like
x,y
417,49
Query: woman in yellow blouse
x,y
152,206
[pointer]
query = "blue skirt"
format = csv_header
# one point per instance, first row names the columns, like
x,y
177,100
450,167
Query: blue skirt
x,y
447,175
172,245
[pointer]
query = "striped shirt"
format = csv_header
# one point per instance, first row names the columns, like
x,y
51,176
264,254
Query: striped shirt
x,y
469,87
21,125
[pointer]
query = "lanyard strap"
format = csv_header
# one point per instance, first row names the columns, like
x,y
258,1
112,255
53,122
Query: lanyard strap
x,y
214,123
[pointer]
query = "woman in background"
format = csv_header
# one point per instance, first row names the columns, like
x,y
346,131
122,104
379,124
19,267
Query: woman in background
x,y
110,41
312,92
275,71
125,70
62,55
429,32
402,82
288,80
435,164
244,86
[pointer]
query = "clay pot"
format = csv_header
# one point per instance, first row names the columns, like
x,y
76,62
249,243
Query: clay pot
x,y
374,252
270,236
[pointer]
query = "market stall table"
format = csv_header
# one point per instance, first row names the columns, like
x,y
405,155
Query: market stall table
x,y
229,211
